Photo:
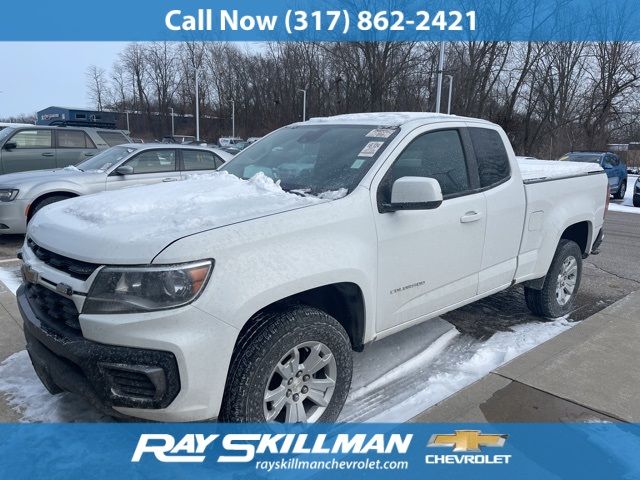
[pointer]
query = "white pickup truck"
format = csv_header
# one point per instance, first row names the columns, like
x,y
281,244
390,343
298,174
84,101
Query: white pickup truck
x,y
241,295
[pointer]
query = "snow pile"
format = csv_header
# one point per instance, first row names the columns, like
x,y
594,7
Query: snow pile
x,y
425,380
627,203
25,394
72,168
173,209
11,278
532,169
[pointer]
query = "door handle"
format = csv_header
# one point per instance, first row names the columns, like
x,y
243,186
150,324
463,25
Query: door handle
x,y
47,154
87,154
470,217
169,179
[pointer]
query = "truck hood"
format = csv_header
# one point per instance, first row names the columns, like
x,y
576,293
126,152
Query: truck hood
x,y
38,176
133,225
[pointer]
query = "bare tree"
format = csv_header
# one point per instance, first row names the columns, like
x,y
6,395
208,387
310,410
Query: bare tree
x,y
97,85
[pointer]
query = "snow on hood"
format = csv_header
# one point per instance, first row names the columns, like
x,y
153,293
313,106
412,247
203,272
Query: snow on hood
x,y
146,219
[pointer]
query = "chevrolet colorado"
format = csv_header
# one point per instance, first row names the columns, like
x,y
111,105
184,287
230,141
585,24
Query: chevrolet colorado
x,y
240,296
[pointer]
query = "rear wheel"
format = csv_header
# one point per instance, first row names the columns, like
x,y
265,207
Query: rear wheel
x,y
636,200
556,297
291,366
619,195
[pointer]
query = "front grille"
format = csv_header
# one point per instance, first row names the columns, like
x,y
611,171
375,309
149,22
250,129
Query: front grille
x,y
75,268
146,383
51,307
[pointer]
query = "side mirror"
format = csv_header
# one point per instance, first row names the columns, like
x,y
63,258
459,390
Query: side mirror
x,y
414,193
124,170
10,145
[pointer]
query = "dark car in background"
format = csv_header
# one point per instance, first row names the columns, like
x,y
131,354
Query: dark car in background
x,y
612,164
35,147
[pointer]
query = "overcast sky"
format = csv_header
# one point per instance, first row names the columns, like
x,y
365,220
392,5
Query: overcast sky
x,y
36,75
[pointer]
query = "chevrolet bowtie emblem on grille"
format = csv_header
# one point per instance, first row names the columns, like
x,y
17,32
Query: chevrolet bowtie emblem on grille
x,y
467,440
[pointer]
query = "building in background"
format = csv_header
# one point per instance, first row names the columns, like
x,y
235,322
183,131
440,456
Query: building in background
x,y
77,117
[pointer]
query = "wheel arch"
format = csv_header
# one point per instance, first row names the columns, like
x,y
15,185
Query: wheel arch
x,y
44,196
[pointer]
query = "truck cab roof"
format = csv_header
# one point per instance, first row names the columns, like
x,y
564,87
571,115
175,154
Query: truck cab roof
x,y
393,119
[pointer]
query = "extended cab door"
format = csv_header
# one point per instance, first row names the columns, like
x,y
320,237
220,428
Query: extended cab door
x,y
73,147
506,204
33,149
429,260
149,166
198,161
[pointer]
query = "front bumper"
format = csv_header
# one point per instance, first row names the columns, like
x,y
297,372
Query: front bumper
x,y
12,217
187,347
107,376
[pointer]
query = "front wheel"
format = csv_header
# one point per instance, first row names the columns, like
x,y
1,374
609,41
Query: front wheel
x,y
619,195
291,366
561,283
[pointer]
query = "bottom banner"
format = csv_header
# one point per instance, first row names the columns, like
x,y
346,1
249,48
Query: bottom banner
x,y
336,451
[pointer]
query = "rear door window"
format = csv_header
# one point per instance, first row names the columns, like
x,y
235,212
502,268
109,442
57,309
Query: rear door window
x,y
37,138
491,155
74,139
200,160
113,138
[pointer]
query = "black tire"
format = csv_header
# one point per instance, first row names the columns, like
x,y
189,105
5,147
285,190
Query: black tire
x,y
636,200
44,202
622,189
544,302
264,344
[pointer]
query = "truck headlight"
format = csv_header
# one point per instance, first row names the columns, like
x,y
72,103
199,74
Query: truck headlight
x,y
8,194
146,289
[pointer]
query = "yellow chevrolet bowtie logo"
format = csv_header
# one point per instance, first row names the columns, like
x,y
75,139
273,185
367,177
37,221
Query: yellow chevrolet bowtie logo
x,y
467,440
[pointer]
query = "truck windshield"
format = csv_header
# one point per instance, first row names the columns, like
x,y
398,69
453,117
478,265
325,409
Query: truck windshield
x,y
582,157
104,160
314,159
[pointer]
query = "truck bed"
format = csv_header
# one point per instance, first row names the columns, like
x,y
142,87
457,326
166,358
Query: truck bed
x,y
544,170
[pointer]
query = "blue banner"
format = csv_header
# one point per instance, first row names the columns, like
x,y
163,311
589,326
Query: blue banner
x,y
348,451
327,20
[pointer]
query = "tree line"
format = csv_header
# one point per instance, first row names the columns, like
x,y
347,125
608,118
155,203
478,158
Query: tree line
x,y
550,97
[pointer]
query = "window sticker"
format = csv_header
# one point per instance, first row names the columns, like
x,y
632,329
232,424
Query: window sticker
x,y
370,149
357,164
381,133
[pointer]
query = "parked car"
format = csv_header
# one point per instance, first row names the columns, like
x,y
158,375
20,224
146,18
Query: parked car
x,y
241,298
45,147
228,141
633,170
253,139
636,193
612,164
23,194
236,148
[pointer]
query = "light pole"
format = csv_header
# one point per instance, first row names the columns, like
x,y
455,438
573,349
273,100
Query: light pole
x,y
173,130
233,119
197,108
304,104
450,77
440,69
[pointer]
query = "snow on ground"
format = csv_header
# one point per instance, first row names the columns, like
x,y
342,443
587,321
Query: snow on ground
x,y
451,363
10,276
25,394
627,204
